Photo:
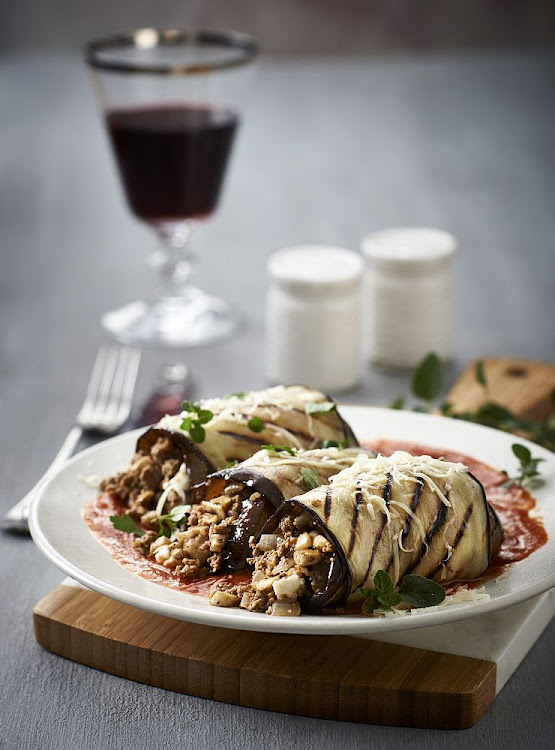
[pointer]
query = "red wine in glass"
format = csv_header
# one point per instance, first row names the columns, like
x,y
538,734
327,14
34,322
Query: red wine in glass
x,y
172,158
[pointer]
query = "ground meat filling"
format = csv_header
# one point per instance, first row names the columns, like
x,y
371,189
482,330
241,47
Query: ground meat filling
x,y
140,486
198,550
291,563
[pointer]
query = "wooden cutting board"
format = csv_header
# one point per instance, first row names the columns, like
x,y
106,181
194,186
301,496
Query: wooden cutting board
x,y
329,677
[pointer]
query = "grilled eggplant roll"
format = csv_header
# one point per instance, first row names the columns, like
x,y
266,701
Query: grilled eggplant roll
x,y
403,514
232,505
168,461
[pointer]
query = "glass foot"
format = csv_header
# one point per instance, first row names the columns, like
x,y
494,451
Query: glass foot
x,y
181,322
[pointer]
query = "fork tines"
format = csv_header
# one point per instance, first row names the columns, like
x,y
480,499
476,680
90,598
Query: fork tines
x,y
107,404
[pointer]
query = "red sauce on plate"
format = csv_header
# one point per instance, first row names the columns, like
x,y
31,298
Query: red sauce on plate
x,y
120,546
523,533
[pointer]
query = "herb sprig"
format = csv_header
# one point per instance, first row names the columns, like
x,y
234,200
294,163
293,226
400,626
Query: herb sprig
x,y
319,407
414,590
333,444
528,470
126,524
170,522
255,424
310,477
427,386
193,424
279,449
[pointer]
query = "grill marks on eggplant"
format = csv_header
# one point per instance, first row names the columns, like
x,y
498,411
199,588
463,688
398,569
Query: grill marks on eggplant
x,y
242,438
354,520
439,521
408,523
413,506
459,535
386,497
464,524
327,504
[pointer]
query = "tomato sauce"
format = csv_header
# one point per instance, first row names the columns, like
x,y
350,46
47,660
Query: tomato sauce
x,y
523,533
120,546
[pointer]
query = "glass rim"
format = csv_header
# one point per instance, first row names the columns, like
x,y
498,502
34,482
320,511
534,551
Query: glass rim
x,y
168,37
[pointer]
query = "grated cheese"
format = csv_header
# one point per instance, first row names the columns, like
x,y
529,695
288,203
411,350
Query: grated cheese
x,y
179,483
314,459
372,474
91,481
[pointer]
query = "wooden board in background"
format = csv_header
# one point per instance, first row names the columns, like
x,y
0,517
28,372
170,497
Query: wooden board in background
x,y
524,387
329,677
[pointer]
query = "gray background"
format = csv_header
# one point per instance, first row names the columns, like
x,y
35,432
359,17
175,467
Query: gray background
x,y
332,148
302,27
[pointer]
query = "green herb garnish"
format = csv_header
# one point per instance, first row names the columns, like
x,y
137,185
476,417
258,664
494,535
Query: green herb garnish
x,y
480,375
398,403
237,394
231,464
333,444
381,595
169,524
255,424
193,424
420,592
319,407
427,384
528,469
279,449
428,378
414,590
127,524
310,477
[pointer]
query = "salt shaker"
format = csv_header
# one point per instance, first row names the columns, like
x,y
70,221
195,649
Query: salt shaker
x,y
313,317
408,296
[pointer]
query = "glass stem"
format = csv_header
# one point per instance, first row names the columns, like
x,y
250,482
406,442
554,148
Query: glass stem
x,y
173,261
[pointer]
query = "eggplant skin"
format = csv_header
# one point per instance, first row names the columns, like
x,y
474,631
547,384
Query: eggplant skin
x,y
495,529
253,514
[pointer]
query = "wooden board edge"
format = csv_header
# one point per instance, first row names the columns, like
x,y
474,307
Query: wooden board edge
x,y
247,686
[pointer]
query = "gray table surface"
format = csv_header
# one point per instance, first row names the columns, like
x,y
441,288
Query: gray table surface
x,y
331,149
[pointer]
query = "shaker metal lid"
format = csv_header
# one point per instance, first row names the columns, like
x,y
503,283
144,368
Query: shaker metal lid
x,y
312,268
409,247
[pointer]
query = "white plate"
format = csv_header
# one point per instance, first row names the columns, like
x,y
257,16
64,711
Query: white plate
x,y
61,534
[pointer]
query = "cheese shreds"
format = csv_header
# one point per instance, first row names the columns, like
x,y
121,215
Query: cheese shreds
x,y
416,520
272,400
91,481
179,483
400,543
461,598
373,474
330,458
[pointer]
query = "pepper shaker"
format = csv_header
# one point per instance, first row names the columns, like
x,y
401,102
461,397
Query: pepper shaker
x,y
408,295
313,317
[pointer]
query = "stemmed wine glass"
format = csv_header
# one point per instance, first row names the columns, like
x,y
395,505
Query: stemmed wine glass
x,y
170,104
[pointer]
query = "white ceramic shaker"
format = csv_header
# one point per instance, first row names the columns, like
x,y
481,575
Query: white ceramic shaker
x,y
408,295
313,317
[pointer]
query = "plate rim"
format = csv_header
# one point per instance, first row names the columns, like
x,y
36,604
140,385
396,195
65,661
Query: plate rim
x,y
220,617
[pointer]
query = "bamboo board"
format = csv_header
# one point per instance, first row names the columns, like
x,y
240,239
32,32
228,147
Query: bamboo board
x,y
329,677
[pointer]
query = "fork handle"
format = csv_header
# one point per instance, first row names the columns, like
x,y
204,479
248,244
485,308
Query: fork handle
x,y
16,519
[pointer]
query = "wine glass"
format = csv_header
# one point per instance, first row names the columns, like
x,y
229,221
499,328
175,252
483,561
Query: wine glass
x,y
170,105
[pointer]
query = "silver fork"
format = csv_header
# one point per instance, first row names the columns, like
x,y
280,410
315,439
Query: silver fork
x,y
106,408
